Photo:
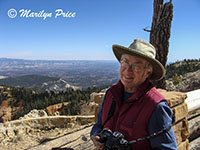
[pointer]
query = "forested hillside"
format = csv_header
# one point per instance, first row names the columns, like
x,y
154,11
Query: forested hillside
x,y
182,67
23,100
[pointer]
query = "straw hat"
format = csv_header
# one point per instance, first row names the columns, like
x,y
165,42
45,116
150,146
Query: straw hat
x,y
144,50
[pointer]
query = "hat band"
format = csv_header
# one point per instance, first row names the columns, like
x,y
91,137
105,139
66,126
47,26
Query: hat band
x,y
147,52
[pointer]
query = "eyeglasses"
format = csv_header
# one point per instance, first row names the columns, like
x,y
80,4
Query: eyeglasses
x,y
124,63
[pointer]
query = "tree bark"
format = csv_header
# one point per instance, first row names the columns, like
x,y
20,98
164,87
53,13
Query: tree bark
x,y
160,32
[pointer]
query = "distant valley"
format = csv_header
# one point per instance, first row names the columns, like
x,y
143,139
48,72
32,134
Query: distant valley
x,y
57,75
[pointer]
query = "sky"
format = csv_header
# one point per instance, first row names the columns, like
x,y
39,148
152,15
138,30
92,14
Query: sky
x,y
87,29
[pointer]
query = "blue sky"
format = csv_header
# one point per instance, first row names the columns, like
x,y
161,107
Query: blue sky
x,y
91,32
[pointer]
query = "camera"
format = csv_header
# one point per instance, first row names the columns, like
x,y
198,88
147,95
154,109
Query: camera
x,y
113,140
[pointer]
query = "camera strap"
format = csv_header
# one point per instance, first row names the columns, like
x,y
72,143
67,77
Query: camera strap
x,y
151,135
155,134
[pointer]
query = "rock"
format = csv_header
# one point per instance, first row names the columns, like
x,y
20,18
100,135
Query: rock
x,y
180,112
184,145
97,97
52,109
61,121
86,119
30,123
188,82
174,98
70,125
181,131
20,131
34,114
10,132
56,113
93,105
1,135
42,123
177,131
89,108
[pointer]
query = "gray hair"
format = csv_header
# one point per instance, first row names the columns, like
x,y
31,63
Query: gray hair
x,y
149,68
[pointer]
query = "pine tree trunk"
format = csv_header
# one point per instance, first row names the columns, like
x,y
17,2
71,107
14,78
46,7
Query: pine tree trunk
x,y
160,32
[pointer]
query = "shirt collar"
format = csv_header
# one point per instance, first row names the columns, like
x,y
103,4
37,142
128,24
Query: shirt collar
x,y
118,91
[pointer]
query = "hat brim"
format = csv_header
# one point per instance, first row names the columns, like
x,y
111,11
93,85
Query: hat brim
x,y
158,69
